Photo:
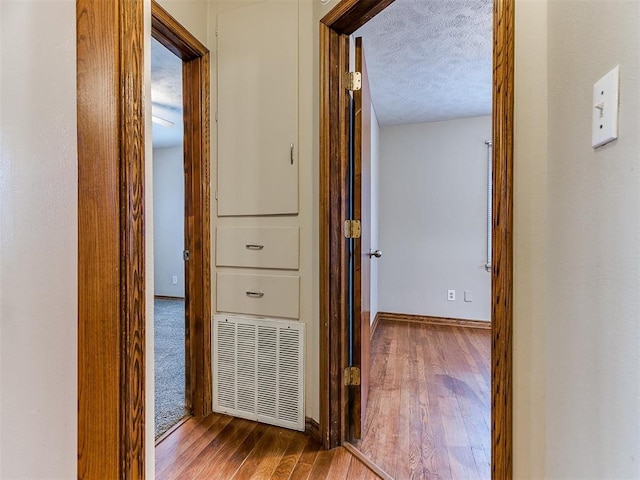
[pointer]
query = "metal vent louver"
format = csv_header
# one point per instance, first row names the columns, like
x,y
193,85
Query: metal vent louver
x,y
258,369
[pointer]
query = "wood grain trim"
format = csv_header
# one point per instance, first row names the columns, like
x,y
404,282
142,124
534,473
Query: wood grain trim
x,y
367,462
344,19
132,231
502,274
168,31
111,254
374,325
312,429
333,249
324,244
442,321
349,15
205,218
196,97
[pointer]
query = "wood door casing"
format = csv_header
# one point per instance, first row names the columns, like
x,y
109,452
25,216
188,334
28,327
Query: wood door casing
x,y
111,223
195,86
362,261
343,20
111,229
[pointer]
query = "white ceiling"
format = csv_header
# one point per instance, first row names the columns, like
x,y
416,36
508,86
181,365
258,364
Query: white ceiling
x,y
430,60
166,95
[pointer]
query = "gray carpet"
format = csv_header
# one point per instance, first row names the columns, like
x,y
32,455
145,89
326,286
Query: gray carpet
x,y
169,353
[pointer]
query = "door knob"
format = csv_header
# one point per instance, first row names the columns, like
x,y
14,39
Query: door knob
x,y
377,253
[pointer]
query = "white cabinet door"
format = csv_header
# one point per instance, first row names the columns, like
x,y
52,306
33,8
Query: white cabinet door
x,y
258,109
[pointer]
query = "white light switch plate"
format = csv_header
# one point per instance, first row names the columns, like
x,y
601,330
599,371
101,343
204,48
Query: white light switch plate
x,y
605,109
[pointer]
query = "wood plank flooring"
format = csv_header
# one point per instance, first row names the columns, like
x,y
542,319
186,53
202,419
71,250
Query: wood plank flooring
x,y
429,411
221,447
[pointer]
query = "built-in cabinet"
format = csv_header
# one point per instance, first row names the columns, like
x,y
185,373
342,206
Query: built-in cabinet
x,y
258,109
257,234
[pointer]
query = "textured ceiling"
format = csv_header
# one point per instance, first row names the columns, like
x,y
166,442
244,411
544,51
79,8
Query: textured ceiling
x,y
430,60
166,95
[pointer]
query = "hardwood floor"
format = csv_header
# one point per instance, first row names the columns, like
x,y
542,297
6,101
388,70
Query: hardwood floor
x,y
221,447
429,411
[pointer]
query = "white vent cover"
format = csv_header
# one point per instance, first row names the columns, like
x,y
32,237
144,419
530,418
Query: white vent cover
x,y
258,369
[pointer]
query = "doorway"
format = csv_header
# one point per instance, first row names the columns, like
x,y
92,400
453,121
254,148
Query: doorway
x,y
337,419
195,254
169,265
427,409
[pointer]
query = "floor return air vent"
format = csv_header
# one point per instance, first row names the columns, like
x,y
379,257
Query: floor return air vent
x,y
258,369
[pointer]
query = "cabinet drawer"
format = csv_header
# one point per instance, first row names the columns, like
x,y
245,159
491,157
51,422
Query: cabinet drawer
x,y
257,247
268,295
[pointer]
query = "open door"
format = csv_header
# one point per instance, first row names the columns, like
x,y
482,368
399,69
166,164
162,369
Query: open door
x,y
360,249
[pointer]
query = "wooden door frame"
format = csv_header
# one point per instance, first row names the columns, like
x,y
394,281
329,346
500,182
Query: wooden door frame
x,y
335,28
195,81
111,233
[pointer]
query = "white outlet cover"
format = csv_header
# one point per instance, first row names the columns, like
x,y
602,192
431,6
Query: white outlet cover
x,y
605,109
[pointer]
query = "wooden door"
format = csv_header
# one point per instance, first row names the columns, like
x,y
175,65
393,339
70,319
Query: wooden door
x,y
361,258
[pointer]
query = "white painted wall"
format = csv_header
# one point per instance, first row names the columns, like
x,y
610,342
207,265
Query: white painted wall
x,y
193,15
530,242
593,336
168,221
375,214
38,240
433,233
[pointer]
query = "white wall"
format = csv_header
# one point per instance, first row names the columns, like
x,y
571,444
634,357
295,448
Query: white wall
x,y
38,243
593,374
193,15
168,221
375,202
433,191
530,241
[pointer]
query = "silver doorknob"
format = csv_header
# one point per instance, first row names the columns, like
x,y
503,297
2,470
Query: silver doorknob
x,y
377,253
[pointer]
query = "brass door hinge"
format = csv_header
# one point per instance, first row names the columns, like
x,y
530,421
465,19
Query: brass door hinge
x,y
354,81
351,376
352,229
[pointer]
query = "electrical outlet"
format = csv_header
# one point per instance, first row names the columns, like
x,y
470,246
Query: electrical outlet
x,y
174,280
451,295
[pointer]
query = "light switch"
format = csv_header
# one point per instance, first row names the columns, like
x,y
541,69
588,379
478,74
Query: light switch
x,y
605,109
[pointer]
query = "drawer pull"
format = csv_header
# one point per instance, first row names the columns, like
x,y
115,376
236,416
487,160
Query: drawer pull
x,y
254,247
255,294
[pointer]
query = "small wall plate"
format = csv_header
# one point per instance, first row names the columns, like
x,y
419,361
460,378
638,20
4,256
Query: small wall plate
x,y
605,109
